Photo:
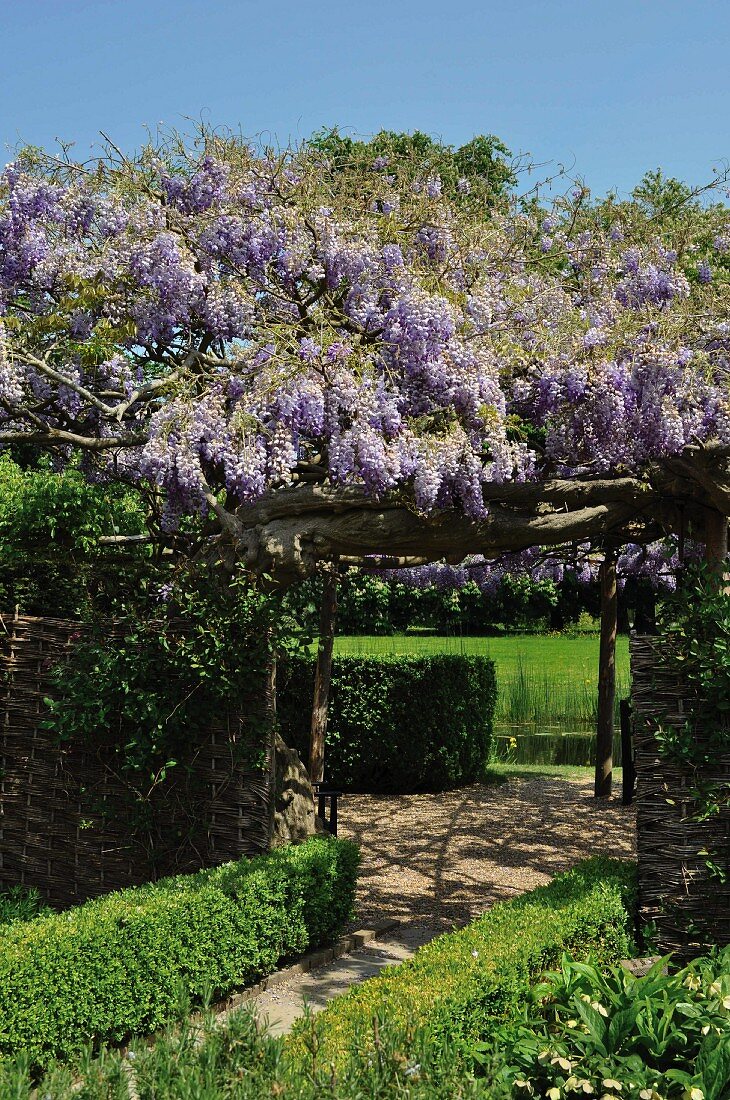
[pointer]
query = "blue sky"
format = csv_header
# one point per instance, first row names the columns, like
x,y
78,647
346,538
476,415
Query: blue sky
x,y
608,88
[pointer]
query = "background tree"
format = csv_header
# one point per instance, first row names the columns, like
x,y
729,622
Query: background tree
x,y
483,168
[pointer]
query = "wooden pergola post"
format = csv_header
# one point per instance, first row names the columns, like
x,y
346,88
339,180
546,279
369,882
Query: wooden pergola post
x,y
606,676
323,673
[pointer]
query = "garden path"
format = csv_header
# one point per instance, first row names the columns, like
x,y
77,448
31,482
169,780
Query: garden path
x,y
444,858
436,861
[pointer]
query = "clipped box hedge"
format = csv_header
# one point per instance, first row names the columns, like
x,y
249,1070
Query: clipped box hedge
x,y
119,965
396,723
460,984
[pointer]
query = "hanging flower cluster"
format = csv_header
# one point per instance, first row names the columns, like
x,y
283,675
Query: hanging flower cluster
x,y
236,322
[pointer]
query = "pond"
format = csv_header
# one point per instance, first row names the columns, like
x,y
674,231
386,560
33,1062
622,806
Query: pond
x,y
548,744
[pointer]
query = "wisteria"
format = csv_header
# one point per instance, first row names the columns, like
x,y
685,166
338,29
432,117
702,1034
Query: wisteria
x,y
238,326
658,563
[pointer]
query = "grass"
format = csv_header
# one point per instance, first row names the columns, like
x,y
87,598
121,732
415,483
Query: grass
x,y
499,771
19,904
543,680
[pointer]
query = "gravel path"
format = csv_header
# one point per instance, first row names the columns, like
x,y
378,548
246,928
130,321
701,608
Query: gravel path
x,y
441,859
435,861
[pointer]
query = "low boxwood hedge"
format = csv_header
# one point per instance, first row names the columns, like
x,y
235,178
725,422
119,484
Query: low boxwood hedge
x,y
408,1033
119,965
461,984
396,723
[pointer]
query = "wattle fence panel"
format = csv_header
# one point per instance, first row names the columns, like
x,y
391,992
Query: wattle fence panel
x,y
684,861
68,826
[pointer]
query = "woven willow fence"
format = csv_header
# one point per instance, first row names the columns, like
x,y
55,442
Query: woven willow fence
x,y
68,825
677,890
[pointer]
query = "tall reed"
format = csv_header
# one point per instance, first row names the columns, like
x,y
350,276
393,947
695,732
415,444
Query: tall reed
x,y
530,696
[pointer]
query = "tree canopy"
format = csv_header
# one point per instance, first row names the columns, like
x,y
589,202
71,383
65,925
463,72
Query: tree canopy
x,y
309,362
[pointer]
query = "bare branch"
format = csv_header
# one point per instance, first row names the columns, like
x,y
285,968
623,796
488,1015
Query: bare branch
x,y
56,437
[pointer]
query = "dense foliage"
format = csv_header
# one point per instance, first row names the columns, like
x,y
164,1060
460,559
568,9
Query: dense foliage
x,y
483,168
594,1031
119,965
695,627
695,652
147,685
396,723
377,604
51,559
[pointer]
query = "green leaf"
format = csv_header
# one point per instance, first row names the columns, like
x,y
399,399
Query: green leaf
x,y
595,1023
620,1026
713,1064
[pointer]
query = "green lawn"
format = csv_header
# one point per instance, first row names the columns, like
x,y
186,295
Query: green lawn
x,y
545,680
561,656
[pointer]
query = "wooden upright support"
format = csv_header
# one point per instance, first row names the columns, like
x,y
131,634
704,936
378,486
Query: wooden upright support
x,y
323,674
606,676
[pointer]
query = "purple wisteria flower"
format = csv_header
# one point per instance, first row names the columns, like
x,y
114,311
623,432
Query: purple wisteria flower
x,y
234,326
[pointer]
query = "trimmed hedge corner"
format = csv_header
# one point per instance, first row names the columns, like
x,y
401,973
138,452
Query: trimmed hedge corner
x,y
396,723
119,965
461,984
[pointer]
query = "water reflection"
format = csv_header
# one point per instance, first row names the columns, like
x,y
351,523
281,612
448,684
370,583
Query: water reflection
x,y
547,744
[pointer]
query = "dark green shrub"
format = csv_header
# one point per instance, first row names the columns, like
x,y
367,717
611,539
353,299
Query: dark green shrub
x,y
119,965
462,984
396,723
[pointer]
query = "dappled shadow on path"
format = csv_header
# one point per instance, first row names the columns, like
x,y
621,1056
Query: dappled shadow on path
x,y
445,858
